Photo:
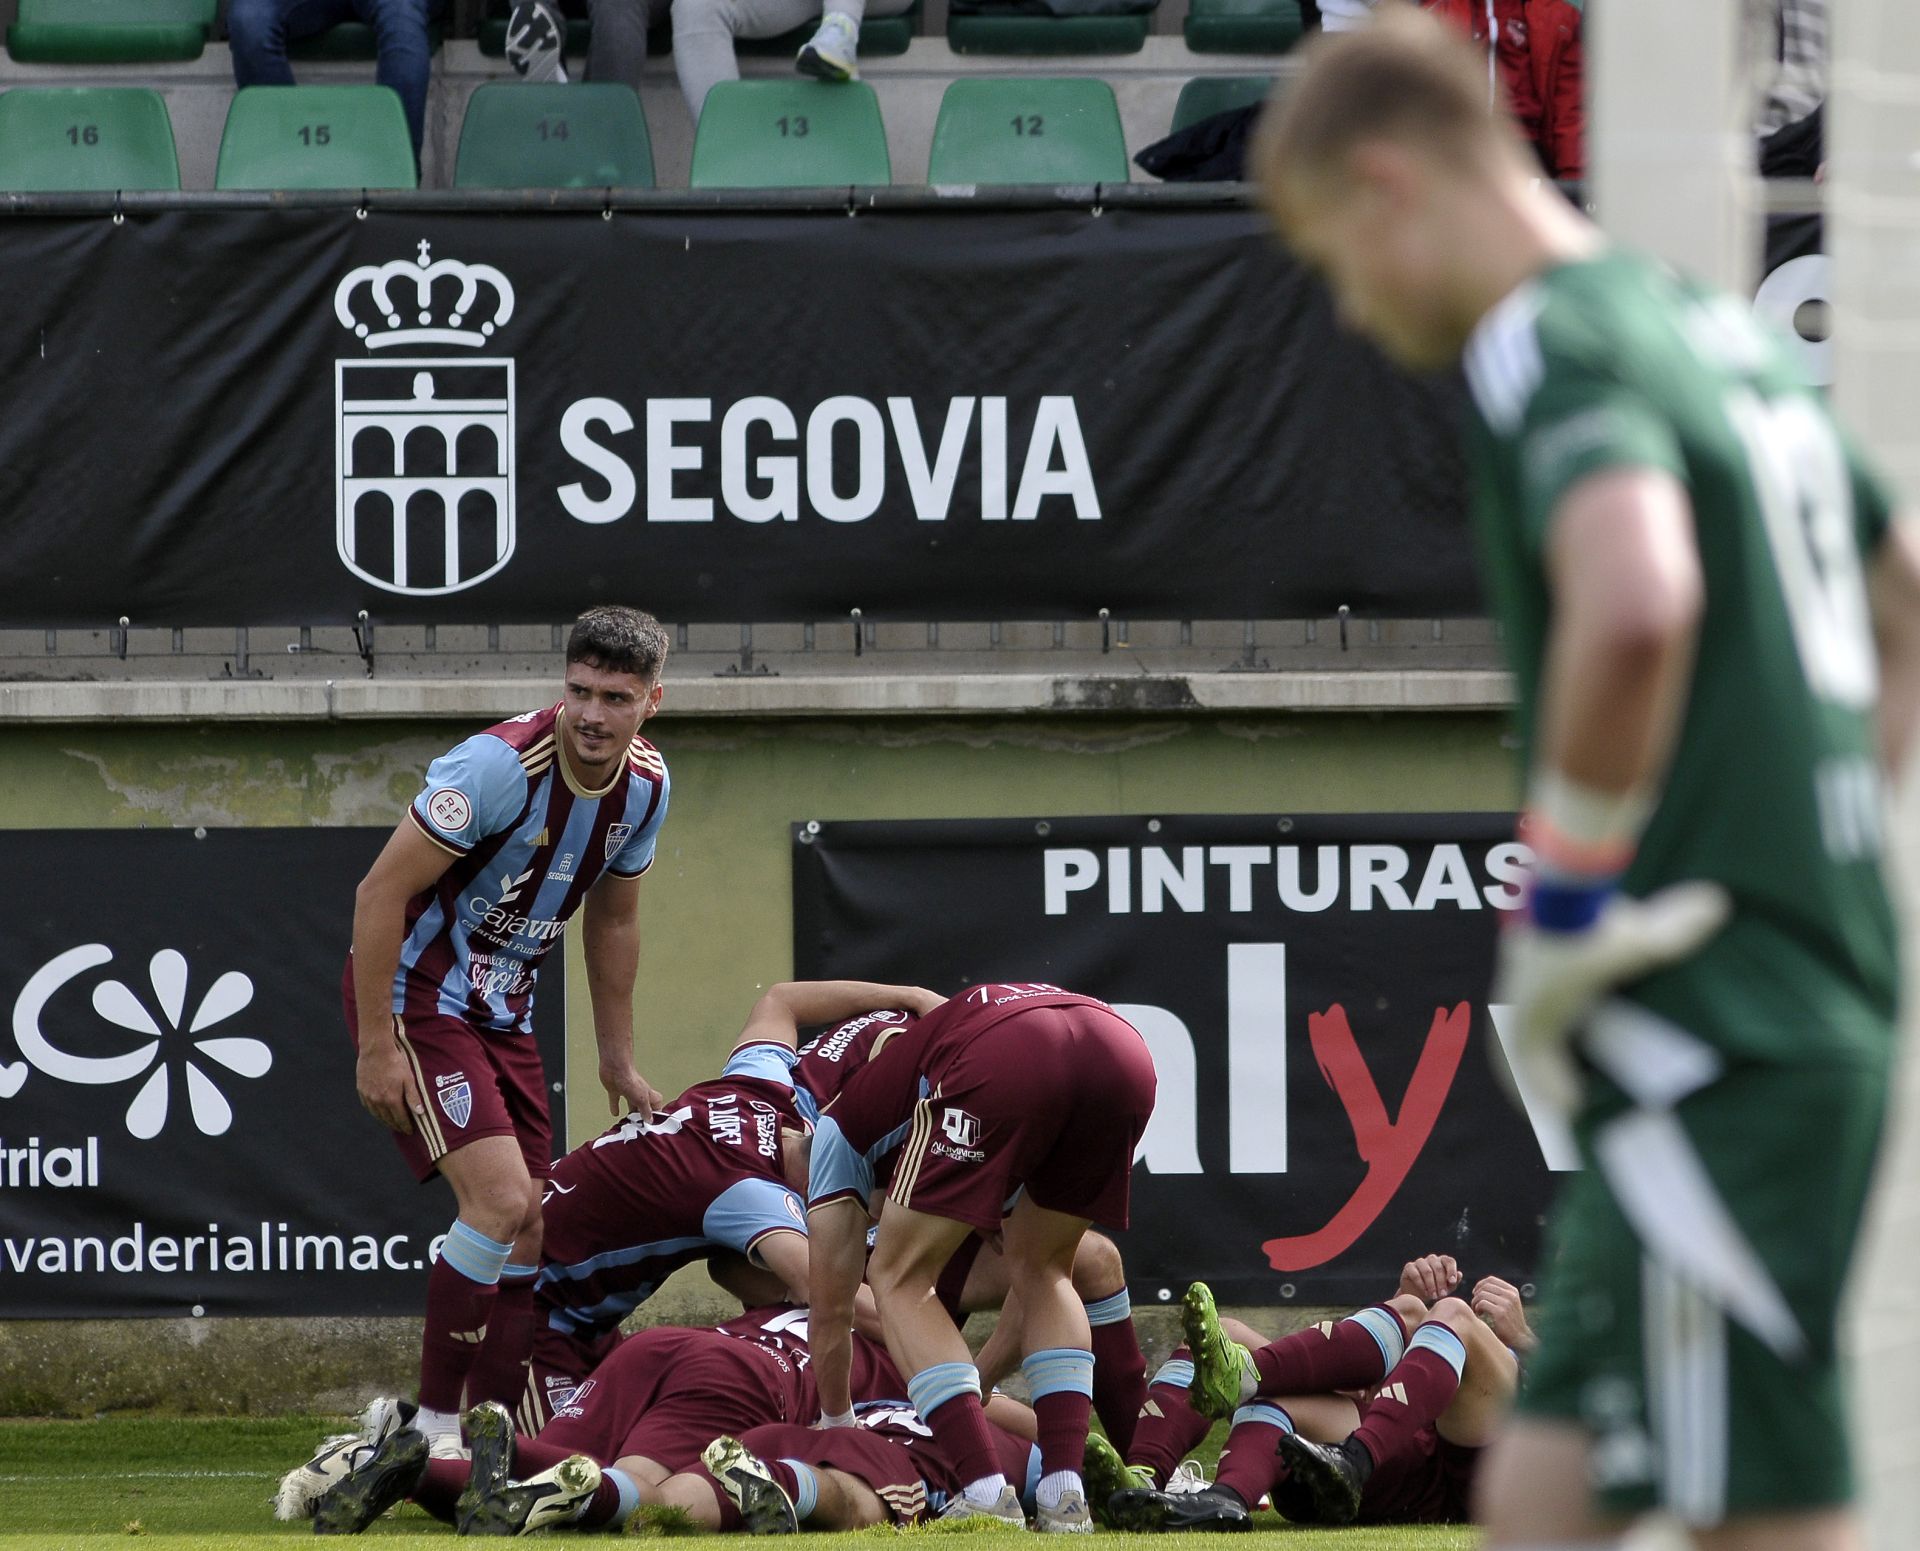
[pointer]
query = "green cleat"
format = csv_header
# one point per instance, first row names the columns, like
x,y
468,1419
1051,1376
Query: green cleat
x,y
1223,1371
1106,1473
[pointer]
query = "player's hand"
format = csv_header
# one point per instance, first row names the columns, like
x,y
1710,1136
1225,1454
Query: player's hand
x,y
1430,1278
1498,1303
386,1086
921,1001
1550,979
624,1084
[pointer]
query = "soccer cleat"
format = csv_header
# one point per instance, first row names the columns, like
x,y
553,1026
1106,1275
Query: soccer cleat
x,y
546,1501
1333,1475
384,1416
303,1486
490,1436
1188,1476
833,52
1006,1508
536,38
1105,1473
744,1477
1216,1508
1223,1371
1069,1516
390,1472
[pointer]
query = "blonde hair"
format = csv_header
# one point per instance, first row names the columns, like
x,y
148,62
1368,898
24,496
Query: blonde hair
x,y
1404,76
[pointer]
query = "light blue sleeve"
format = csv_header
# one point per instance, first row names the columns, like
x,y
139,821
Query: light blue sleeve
x,y
746,1212
474,790
765,1059
636,856
837,1168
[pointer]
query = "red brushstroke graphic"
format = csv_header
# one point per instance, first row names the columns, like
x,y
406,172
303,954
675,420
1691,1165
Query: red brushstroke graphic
x,y
1387,1147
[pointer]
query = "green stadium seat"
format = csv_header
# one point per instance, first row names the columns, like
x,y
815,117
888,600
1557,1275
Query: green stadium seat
x,y
348,40
105,32
66,139
521,136
1243,26
790,134
881,37
1025,27
1028,130
315,137
1206,95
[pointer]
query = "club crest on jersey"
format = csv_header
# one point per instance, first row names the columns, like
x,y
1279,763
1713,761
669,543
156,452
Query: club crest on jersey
x,y
617,836
449,809
456,1098
961,1128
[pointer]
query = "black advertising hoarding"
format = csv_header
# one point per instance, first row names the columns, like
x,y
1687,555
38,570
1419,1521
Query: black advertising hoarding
x,y
964,413
1313,991
179,1131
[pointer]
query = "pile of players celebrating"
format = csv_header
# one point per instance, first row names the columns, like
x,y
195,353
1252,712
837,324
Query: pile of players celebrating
x,y
953,1155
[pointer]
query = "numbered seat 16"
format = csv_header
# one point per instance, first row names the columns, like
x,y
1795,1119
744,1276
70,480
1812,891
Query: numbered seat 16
x,y
99,32
1028,131
521,136
790,134
65,139
315,137
1206,95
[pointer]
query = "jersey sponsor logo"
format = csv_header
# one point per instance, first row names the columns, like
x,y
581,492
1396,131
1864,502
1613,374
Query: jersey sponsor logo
x,y
574,1403
617,836
456,1097
831,1047
449,809
962,1129
158,1021
563,872
794,1210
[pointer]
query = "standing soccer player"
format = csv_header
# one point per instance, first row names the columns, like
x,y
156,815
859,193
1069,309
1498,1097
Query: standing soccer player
x,y
1693,570
512,832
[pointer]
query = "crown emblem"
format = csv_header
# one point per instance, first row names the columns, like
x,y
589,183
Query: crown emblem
x,y
389,286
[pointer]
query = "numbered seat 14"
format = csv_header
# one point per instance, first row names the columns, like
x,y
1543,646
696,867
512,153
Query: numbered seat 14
x,y
521,136
1028,131
65,139
790,134
315,137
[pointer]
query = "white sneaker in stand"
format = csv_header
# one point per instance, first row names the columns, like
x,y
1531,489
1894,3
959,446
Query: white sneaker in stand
x,y
536,40
833,52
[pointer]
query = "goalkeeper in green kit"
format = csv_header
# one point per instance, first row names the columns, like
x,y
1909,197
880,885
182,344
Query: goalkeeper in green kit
x,y
1715,628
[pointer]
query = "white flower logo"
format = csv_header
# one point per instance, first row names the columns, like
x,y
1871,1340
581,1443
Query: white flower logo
x,y
114,1001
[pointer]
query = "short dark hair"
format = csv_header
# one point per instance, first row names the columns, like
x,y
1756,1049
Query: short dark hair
x,y
619,640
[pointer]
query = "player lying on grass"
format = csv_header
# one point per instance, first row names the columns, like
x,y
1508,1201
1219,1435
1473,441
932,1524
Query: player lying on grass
x,y
1022,1093
715,1169
1376,1418
646,1413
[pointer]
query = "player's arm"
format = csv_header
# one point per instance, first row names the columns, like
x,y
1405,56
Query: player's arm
x,y
610,928
1893,585
794,1005
1000,1353
837,1263
786,1255
407,865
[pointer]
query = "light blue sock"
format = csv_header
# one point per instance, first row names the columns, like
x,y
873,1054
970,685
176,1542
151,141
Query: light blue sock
x,y
474,1255
809,1485
629,1491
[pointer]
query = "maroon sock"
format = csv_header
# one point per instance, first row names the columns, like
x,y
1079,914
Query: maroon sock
x,y
605,1504
457,1311
730,1521
499,1372
1421,1386
1168,1427
1335,1354
1248,1463
441,1486
531,1456
961,1433
1061,1420
1119,1380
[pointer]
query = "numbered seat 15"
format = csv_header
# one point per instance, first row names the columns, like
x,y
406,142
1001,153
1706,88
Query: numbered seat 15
x,y
315,137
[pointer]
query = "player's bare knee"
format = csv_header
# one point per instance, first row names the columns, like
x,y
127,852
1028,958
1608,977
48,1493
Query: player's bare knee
x,y
1097,1269
694,1495
1458,1316
1411,1309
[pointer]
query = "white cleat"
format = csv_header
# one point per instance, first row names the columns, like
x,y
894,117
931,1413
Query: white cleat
x,y
301,1487
1069,1516
1006,1508
833,52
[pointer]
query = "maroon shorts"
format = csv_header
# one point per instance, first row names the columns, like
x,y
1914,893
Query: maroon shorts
x,y
1053,1099
473,1084
1430,1483
560,1363
886,1466
665,1394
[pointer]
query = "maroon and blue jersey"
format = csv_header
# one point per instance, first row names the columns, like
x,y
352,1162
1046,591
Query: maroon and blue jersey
x,y
828,1061
528,842
643,1199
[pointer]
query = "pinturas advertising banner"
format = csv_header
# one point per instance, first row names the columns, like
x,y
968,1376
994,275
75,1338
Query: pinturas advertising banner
x,y
243,415
1313,989
179,1130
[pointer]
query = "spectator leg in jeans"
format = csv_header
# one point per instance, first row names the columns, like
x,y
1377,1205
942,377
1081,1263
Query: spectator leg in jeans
x,y
704,30
258,32
619,47
404,57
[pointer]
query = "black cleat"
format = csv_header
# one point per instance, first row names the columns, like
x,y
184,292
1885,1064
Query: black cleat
x,y
1332,1474
1144,1511
489,1432
391,1472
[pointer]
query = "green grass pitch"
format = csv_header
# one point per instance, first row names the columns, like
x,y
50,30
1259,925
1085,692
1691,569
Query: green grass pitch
x,y
187,1482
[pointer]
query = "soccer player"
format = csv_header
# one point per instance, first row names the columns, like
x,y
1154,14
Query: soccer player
x,y
513,831
718,1167
1010,1110
1705,601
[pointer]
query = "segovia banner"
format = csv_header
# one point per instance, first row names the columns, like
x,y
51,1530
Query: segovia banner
x,y
1313,990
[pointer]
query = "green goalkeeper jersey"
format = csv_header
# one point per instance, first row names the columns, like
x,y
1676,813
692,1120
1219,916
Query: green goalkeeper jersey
x,y
1775,788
